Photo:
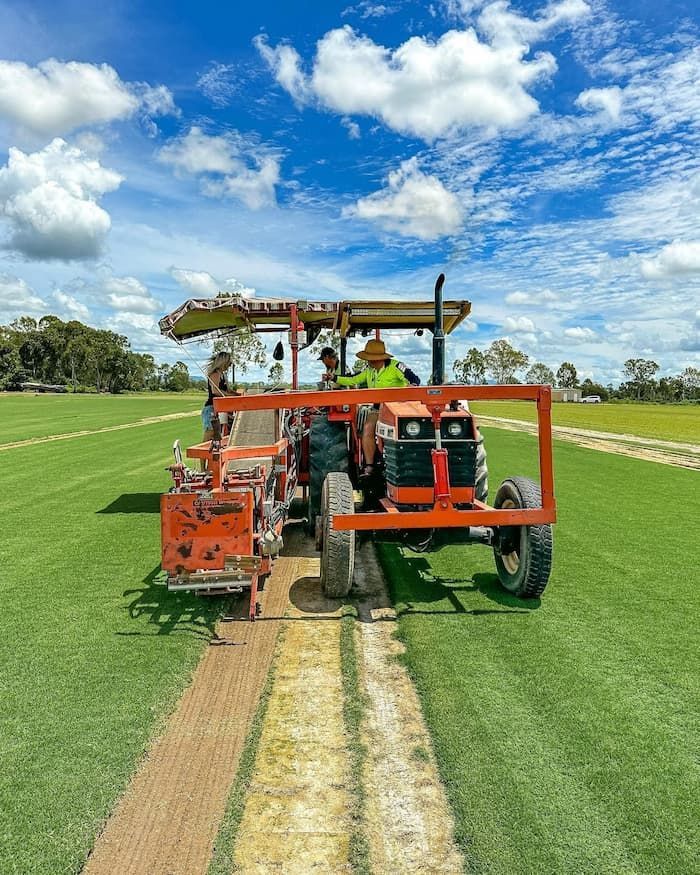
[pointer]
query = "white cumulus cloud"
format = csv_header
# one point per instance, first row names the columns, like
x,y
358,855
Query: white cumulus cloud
x,y
546,297
56,97
505,27
413,204
17,298
71,306
605,100
680,258
254,187
285,62
351,127
424,88
519,325
579,334
201,283
197,152
129,294
228,165
50,200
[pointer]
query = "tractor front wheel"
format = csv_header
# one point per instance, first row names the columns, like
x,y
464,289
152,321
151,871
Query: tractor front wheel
x,y
523,553
337,547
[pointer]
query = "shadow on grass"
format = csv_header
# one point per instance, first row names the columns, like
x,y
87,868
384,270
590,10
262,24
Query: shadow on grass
x,y
414,588
134,502
172,612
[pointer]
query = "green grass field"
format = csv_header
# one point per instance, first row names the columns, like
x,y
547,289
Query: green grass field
x,y
567,732
93,652
24,416
672,422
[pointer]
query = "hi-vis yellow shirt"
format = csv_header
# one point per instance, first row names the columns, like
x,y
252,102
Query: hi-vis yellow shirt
x,y
393,375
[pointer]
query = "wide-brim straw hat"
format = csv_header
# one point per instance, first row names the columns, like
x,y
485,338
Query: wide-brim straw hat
x,y
374,350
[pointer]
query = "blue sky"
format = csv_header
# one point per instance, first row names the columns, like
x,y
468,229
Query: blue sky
x,y
544,155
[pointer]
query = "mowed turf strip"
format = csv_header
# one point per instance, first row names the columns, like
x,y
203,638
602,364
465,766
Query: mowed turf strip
x,y
567,733
93,652
666,422
25,415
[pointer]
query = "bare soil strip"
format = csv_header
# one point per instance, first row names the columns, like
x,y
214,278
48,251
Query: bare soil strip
x,y
681,455
409,823
74,434
298,811
296,816
167,821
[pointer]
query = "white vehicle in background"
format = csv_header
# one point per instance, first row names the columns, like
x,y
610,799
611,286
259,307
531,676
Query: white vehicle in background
x,y
591,399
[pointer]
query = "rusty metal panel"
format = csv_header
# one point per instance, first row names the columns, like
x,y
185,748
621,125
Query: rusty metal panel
x,y
200,532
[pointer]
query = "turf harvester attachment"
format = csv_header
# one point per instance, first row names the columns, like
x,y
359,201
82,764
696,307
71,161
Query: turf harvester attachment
x,y
222,528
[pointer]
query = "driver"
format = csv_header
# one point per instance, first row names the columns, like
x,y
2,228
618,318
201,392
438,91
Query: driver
x,y
329,357
384,372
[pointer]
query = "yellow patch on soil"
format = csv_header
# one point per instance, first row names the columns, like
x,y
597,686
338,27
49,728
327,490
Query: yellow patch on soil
x,y
296,811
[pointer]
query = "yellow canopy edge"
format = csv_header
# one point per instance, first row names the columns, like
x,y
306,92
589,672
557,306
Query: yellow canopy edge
x,y
201,316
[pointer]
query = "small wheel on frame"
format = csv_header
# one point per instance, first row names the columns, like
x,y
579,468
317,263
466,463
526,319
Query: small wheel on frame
x,y
523,554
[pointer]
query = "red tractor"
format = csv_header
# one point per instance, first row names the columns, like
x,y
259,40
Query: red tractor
x,y
222,527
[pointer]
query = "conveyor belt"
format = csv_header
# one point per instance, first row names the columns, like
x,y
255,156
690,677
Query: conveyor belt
x,y
252,428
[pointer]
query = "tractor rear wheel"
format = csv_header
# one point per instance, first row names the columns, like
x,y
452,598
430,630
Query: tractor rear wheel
x,y
523,553
337,547
481,481
328,451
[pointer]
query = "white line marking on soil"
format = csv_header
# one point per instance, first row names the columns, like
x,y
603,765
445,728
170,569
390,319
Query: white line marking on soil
x,y
74,434
681,455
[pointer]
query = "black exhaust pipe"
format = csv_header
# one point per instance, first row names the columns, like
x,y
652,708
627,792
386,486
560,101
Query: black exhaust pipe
x,y
438,377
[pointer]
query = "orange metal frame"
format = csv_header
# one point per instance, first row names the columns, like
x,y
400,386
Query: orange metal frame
x,y
219,458
443,514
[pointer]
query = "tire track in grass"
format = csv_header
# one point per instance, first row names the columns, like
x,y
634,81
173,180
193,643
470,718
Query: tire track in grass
x,y
222,862
345,779
409,823
168,819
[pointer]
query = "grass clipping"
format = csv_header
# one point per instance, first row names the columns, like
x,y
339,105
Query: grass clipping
x,y
354,706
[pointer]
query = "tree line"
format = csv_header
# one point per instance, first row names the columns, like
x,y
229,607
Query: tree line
x,y
503,363
51,351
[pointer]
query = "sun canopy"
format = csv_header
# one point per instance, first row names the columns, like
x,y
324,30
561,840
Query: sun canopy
x,y
202,316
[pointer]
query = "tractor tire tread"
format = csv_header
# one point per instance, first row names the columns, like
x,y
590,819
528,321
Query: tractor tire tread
x,y
481,479
338,547
539,540
327,452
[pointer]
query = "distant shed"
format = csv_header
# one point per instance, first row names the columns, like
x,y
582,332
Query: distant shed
x,y
566,394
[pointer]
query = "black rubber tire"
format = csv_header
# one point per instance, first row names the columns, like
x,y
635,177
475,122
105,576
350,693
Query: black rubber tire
x,y
338,547
481,480
328,451
523,570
